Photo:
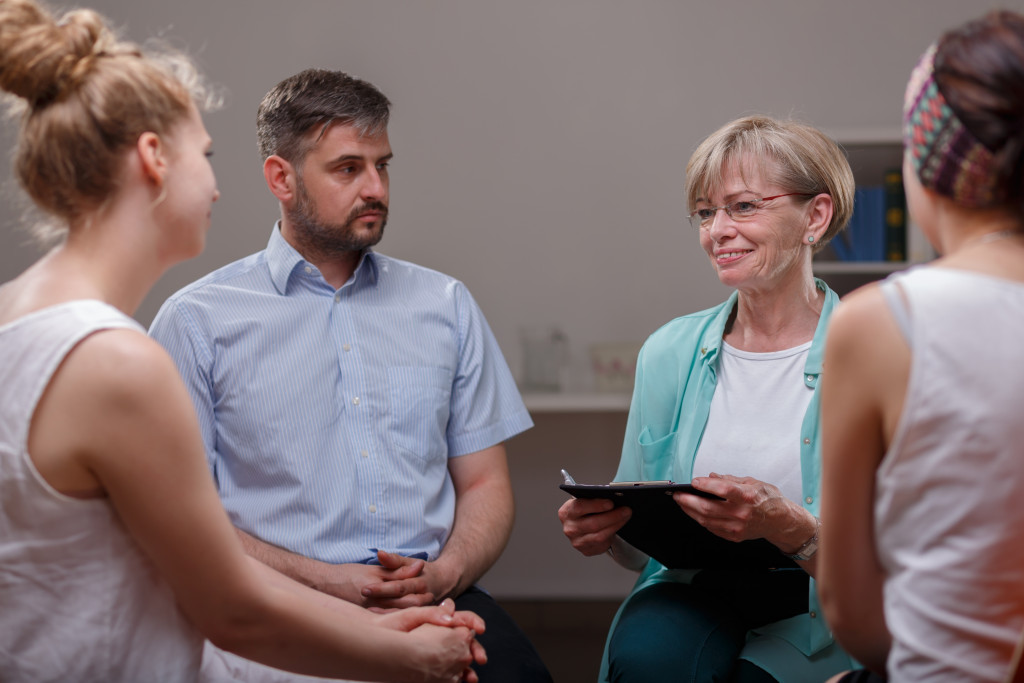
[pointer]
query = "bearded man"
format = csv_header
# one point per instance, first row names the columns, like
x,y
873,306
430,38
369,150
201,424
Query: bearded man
x,y
354,406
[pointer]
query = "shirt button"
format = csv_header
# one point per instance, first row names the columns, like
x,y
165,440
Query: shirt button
x,y
813,615
364,453
373,508
346,347
355,401
337,298
308,269
810,378
809,500
807,441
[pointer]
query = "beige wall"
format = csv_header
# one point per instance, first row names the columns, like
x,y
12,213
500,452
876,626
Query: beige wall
x,y
540,144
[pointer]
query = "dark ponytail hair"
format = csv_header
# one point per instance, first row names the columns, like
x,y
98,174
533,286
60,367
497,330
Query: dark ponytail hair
x,y
979,68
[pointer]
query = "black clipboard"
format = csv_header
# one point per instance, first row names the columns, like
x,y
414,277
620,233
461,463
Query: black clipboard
x,y
662,530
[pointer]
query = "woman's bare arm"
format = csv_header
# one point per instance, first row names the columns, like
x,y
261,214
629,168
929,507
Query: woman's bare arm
x,y
866,370
117,417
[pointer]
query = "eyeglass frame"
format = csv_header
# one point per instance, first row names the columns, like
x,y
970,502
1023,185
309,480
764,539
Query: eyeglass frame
x,y
728,207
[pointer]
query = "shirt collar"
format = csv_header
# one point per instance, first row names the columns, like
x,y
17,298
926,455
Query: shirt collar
x,y
283,259
816,356
712,340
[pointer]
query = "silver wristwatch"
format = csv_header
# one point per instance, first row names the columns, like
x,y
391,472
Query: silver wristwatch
x,y
810,546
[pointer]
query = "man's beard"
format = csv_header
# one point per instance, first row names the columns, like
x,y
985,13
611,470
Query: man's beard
x,y
322,241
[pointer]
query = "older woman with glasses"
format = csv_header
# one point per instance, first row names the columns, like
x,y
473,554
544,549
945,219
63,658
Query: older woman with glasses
x,y
727,399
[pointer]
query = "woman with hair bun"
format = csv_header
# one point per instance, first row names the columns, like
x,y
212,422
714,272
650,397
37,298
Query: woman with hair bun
x,y
923,452
116,557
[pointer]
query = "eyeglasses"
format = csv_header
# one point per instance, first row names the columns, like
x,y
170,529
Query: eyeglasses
x,y
739,210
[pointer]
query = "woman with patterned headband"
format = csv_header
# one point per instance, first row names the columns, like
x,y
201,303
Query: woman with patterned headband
x,y
923,451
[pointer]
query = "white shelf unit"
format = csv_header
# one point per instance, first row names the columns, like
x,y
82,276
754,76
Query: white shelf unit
x,y
563,402
871,152
872,267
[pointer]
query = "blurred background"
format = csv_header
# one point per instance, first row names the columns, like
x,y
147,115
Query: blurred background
x,y
540,149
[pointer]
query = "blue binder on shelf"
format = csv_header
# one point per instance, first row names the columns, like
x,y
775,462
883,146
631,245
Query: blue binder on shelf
x,y
864,237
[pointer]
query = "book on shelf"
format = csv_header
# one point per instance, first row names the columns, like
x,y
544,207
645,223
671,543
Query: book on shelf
x,y
868,224
895,216
870,236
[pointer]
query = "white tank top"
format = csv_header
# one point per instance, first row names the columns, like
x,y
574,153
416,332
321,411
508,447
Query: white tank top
x,y
949,501
757,410
78,600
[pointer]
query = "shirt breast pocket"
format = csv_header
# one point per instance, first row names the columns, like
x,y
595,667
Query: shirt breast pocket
x,y
656,454
419,404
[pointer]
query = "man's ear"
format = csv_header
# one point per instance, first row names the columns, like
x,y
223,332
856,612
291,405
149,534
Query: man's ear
x,y
280,177
152,158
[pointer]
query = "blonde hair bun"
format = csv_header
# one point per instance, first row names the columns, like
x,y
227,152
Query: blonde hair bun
x,y
84,97
42,58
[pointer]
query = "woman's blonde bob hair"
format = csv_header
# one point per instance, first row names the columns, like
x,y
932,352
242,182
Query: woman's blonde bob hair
x,y
792,155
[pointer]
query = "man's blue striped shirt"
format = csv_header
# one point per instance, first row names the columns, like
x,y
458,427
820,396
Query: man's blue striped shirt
x,y
329,415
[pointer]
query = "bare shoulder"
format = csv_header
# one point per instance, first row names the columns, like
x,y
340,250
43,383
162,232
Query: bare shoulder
x,y
851,319
866,347
120,365
862,304
115,391
868,360
864,317
114,385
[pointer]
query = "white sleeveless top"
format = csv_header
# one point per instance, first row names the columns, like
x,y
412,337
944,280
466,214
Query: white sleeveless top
x,y
949,502
78,600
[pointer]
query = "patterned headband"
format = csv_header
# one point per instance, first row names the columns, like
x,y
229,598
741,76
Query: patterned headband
x,y
948,159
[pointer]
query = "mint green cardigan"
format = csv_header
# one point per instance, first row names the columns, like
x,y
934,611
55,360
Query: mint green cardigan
x,y
675,381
